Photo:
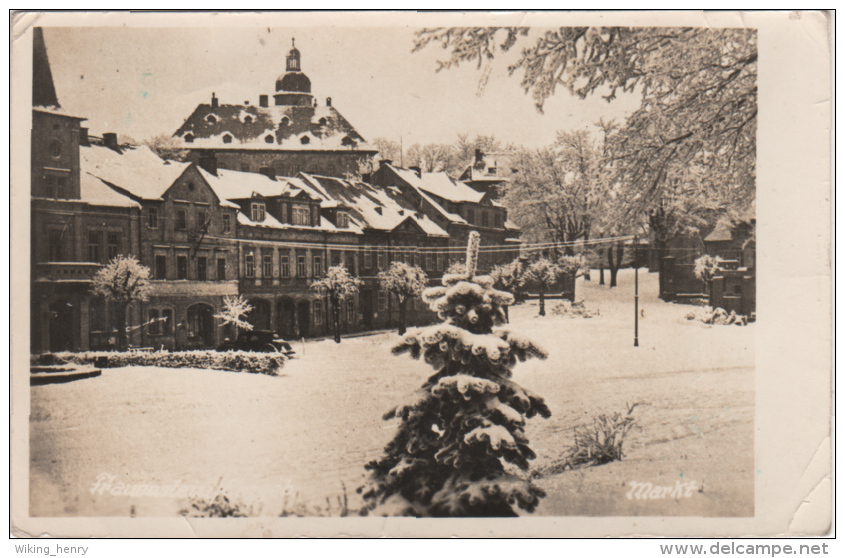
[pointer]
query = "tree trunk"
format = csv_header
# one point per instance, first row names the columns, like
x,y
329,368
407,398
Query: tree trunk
x,y
542,302
402,309
601,266
614,263
336,312
122,334
507,314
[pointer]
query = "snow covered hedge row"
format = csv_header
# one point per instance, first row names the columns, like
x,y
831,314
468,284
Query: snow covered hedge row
x,y
237,361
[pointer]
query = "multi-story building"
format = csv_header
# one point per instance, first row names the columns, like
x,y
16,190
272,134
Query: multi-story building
x,y
292,133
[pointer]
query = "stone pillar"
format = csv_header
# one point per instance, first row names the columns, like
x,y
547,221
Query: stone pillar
x,y
259,266
44,319
84,325
277,272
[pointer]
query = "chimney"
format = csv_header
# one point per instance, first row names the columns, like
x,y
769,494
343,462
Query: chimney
x,y
213,100
110,140
417,171
269,172
479,157
366,177
383,163
208,162
263,100
83,137
328,101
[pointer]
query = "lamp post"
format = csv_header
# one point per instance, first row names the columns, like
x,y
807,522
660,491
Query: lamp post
x,y
636,292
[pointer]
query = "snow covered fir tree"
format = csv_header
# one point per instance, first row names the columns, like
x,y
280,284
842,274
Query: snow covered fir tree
x,y
461,448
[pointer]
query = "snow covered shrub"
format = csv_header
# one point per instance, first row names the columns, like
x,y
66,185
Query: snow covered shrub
x,y
574,310
220,506
461,443
706,267
602,441
717,316
237,361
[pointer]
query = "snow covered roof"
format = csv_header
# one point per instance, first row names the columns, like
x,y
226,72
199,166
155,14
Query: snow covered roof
x,y
289,128
235,185
410,177
443,185
138,170
58,111
96,192
370,206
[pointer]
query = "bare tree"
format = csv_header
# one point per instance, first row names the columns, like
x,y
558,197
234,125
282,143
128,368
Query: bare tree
x,y
235,310
406,282
337,285
123,281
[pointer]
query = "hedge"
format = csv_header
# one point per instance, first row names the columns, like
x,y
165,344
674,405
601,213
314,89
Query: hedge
x,y
236,361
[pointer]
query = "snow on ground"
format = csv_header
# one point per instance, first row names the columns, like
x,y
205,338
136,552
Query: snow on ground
x,y
295,440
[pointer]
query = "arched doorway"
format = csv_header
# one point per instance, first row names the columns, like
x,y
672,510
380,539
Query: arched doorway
x,y
259,317
61,326
201,325
286,318
304,317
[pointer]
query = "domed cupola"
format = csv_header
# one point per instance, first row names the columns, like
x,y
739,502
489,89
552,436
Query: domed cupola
x,y
293,87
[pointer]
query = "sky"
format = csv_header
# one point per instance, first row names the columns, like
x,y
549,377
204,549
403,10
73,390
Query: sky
x,y
145,81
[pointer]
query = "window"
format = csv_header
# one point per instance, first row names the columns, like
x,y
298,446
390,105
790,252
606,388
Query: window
x,y
342,220
269,139
202,269
322,121
318,312
227,223
161,267
284,265
56,149
429,261
181,267
167,321
249,261
97,314
280,168
247,120
153,325
258,212
470,216
368,259
202,218
382,300
301,215
221,269
330,170
301,270
441,261
181,220
55,185
113,245
55,246
318,266
350,312
227,139
267,270
285,121
93,247
189,138
483,218
211,119
152,217
304,140
380,259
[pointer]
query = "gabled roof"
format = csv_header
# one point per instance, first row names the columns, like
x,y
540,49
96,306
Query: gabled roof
x,y
236,185
372,207
137,170
411,179
96,192
250,126
443,185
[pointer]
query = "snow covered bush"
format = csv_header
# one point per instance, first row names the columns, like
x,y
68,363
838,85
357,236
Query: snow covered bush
x,y
602,441
542,275
706,267
236,361
235,309
461,444
574,310
717,316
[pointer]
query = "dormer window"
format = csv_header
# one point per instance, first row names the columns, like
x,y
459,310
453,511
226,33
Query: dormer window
x,y
305,140
285,121
347,141
491,170
258,212
342,220
268,138
189,138
247,120
211,119
322,121
227,138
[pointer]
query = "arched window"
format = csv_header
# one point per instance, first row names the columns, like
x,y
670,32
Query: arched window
x,y
305,140
247,120
322,121
285,121
189,138
347,141
268,138
211,119
153,327
227,139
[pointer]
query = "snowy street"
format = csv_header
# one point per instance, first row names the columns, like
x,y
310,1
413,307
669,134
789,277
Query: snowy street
x,y
292,443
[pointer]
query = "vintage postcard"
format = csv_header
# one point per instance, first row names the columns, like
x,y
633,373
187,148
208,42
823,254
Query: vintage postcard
x,y
513,274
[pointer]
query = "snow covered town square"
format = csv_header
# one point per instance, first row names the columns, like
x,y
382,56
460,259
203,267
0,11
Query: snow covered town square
x,y
304,271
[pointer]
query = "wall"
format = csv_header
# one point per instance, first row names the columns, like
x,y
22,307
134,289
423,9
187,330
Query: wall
x,y
289,163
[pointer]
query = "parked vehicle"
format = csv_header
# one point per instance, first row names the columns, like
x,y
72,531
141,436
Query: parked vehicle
x,y
259,341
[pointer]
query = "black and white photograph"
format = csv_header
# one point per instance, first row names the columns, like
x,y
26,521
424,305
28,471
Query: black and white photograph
x,y
355,266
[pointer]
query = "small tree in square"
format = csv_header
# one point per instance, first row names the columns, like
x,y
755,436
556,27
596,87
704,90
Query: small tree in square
x,y
542,275
338,284
461,449
406,282
510,278
235,309
123,281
